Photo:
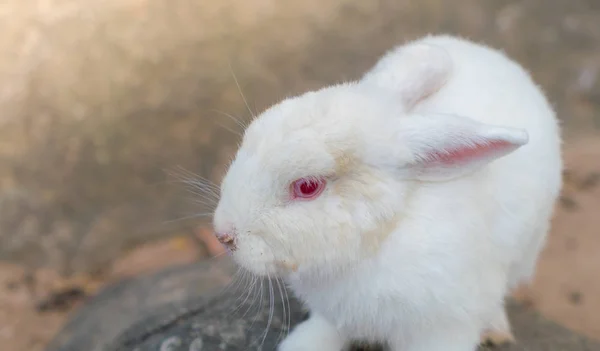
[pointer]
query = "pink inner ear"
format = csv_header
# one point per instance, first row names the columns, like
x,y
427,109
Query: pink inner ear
x,y
467,153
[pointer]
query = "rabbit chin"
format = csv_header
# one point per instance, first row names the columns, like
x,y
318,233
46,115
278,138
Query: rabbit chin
x,y
261,268
257,259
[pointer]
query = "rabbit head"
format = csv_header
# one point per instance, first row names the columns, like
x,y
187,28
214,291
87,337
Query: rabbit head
x,y
320,180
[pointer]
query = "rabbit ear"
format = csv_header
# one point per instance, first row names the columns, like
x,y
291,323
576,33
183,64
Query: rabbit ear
x,y
413,72
442,147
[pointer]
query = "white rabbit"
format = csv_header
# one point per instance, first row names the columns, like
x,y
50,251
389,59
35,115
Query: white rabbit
x,y
404,206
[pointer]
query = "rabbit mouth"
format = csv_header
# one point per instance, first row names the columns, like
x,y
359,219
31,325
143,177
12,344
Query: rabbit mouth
x,y
257,263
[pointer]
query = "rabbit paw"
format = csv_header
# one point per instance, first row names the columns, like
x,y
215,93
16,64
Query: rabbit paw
x,y
496,338
498,332
313,334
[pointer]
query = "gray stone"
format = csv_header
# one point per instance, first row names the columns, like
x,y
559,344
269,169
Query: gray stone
x,y
174,309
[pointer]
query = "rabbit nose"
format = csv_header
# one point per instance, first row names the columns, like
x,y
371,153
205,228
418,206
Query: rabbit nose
x,y
227,239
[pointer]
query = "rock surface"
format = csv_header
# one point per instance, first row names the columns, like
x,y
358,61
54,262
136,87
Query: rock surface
x,y
99,98
200,307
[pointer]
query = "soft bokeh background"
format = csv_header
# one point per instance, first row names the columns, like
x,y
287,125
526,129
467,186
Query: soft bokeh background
x,y
104,104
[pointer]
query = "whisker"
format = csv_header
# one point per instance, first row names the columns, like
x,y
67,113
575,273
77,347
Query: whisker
x,y
261,300
187,175
200,184
204,193
230,130
289,308
252,304
243,297
220,254
200,202
194,195
283,306
240,90
248,294
235,281
197,215
198,188
233,118
271,310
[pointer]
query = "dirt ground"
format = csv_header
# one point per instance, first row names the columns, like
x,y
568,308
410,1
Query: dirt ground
x,y
34,305
567,288
95,193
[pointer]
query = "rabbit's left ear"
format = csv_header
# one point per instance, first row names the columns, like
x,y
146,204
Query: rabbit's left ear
x,y
442,147
412,72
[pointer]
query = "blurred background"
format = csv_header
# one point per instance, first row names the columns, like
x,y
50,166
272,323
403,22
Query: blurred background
x,y
106,106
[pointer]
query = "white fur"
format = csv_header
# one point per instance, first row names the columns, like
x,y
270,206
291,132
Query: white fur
x,y
401,247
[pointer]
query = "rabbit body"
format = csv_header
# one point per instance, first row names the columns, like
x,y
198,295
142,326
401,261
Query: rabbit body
x,y
443,165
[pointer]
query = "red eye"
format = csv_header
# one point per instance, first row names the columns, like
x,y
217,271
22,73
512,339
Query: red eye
x,y
307,188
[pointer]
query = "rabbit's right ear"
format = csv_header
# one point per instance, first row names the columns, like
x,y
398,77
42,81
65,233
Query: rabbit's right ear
x,y
438,147
412,72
